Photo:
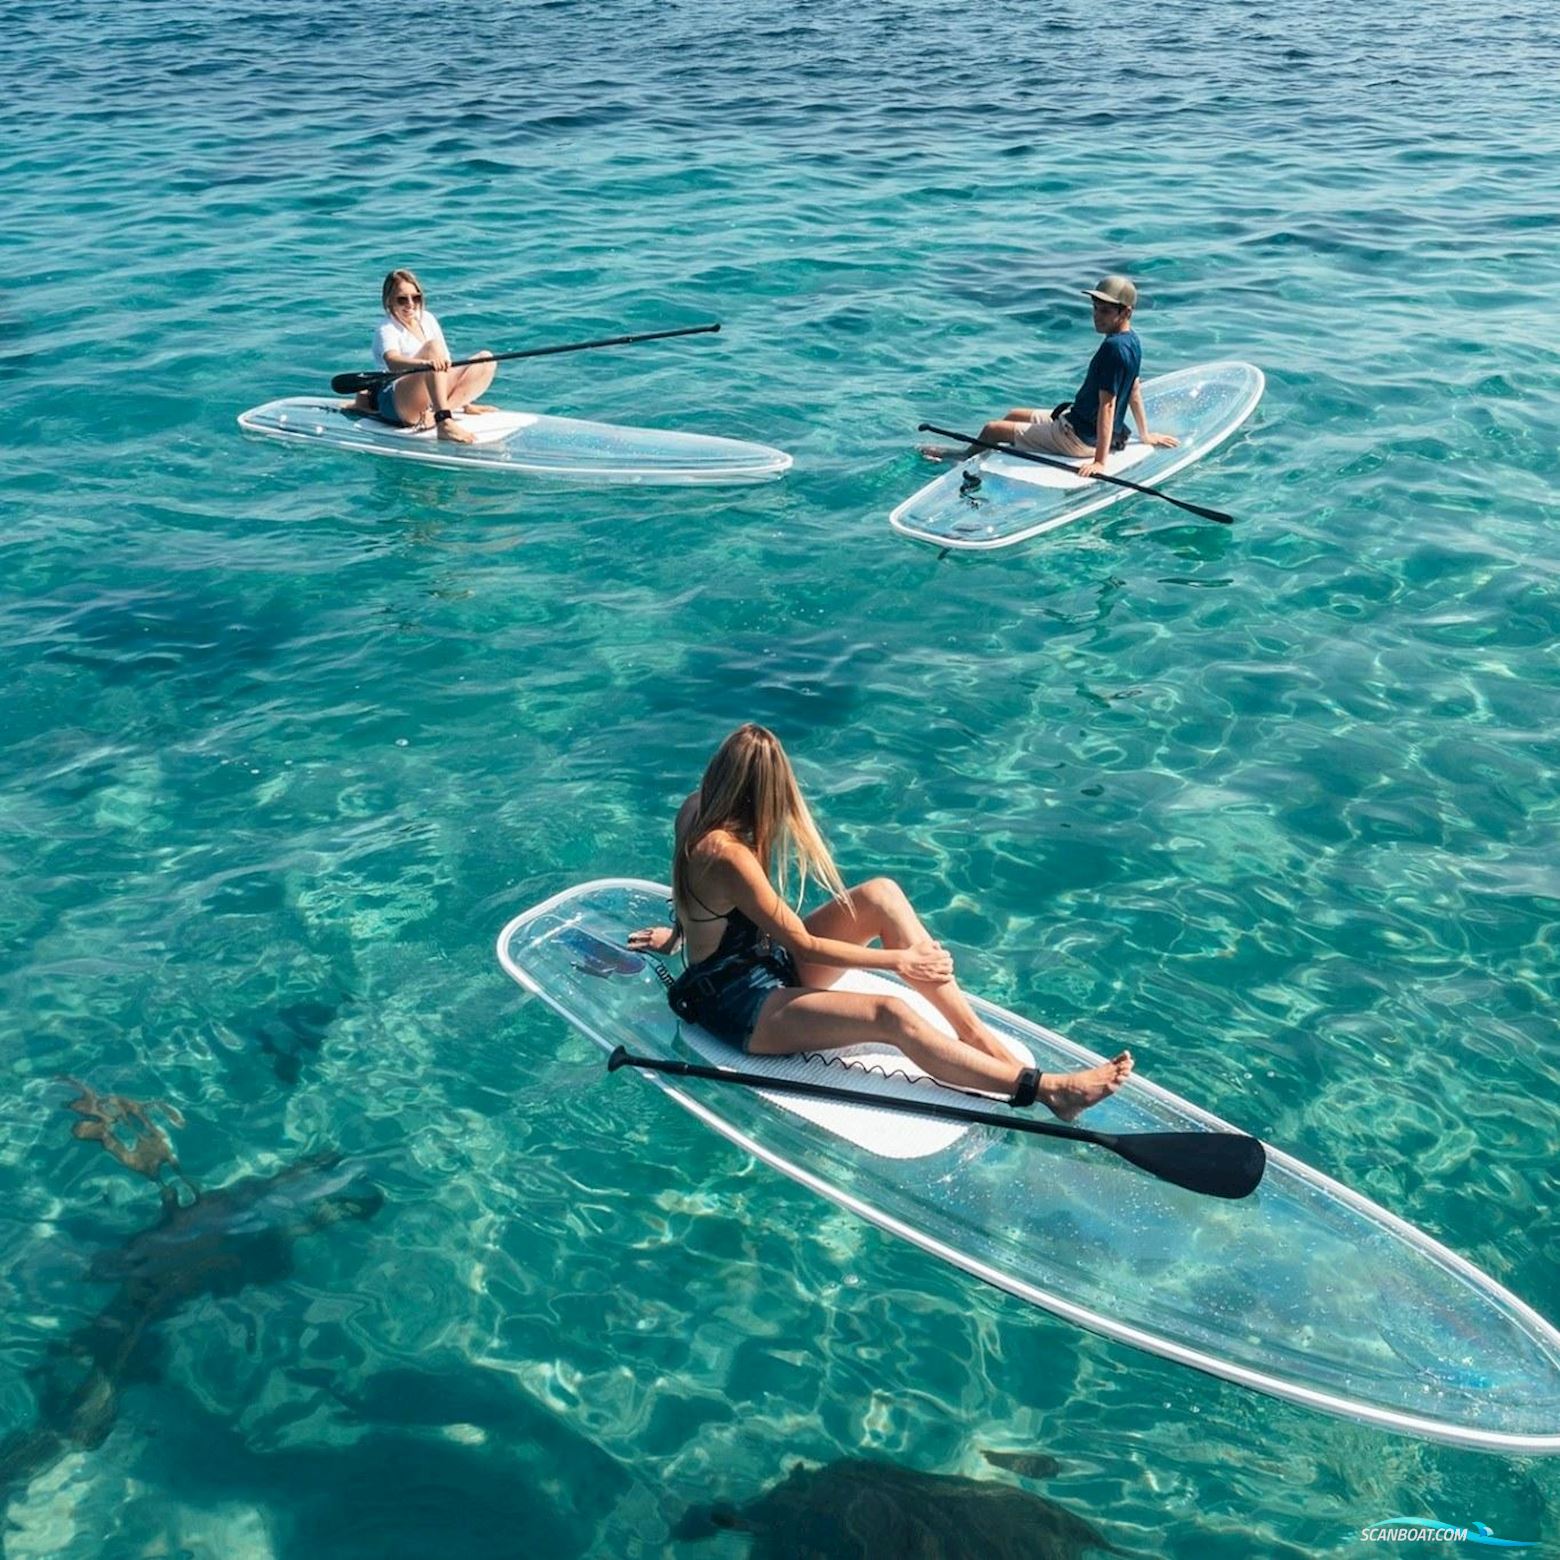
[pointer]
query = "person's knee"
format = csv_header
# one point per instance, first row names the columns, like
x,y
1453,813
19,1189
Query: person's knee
x,y
882,893
899,1021
884,1014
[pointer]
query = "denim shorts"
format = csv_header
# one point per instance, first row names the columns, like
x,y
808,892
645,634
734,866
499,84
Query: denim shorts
x,y
384,406
726,997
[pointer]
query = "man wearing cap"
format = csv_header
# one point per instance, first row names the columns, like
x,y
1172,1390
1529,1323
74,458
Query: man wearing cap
x,y
1095,421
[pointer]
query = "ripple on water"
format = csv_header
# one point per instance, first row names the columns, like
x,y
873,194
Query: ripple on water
x,y
288,734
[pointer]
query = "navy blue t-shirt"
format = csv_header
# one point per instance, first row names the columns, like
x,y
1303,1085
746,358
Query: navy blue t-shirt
x,y
1113,369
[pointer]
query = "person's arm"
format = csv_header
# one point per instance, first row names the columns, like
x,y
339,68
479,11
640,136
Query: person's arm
x,y
385,353
433,353
1104,429
1140,417
739,875
435,349
665,939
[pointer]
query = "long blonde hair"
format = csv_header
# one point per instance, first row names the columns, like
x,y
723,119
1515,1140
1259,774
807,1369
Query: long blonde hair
x,y
750,790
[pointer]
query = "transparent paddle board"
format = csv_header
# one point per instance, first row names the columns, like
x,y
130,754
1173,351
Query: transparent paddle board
x,y
1017,500
1304,1290
526,444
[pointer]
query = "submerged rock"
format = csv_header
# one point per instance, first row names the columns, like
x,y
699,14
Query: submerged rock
x,y
858,1509
221,1243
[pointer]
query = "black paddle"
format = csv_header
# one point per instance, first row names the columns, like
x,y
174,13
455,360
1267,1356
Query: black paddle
x,y
1218,1164
376,379
1099,476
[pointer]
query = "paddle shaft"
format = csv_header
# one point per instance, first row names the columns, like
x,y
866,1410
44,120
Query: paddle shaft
x,y
825,1091
1099,476
374,379
1215,1164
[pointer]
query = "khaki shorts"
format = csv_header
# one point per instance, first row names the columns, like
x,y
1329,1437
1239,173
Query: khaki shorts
x,y
1048,435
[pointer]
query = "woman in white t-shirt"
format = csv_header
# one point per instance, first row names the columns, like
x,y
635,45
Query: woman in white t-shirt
x,y
409,338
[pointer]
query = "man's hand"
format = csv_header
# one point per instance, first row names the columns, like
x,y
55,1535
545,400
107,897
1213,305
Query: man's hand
x,y
1091,468
1161,441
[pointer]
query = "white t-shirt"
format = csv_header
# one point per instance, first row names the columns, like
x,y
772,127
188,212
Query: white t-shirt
x,y
393,336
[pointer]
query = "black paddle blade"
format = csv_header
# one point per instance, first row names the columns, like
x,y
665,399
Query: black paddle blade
x,y
1207,514
1217,1164
350,384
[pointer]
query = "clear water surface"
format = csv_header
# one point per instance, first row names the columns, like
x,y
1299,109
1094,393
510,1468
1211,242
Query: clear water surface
x,y
288,735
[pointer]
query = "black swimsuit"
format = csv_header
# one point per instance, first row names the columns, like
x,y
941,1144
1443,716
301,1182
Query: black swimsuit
x,y
725,992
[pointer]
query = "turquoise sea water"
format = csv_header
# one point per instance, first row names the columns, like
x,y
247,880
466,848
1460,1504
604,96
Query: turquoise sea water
x,y
289,735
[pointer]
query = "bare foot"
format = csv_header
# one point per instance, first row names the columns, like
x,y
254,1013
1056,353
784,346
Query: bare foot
x,y
452,431
937,452
1068,1095
478,408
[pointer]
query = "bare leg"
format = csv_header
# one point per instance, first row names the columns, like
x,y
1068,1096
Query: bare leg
x,y
806,1020
417,396
798,1019
1002,430
880,912
470,382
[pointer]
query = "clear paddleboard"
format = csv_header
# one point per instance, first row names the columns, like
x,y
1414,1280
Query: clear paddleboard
x,y
1017,500
1304,1290
526,444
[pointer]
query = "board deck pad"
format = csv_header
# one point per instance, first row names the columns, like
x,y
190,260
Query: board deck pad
x,y
876,1069
485,428
1133,453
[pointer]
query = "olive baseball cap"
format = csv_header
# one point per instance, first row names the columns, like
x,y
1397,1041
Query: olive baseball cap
x,y
1115,289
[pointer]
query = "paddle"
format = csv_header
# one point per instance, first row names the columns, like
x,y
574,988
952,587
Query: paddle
x,y
1217,1164
376,379
1099,476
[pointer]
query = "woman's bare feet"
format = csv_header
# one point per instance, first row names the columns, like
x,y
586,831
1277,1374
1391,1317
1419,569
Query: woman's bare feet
x,y
452,431
477,407
1068,1095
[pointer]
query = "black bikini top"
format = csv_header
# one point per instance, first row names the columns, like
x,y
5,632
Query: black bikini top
x,y
741,936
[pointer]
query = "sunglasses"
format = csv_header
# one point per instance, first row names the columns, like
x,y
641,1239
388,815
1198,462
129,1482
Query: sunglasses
x,y
407,298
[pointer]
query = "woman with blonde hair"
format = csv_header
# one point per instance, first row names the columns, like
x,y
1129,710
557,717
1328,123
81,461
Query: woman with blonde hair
x,y
409,337
759,976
